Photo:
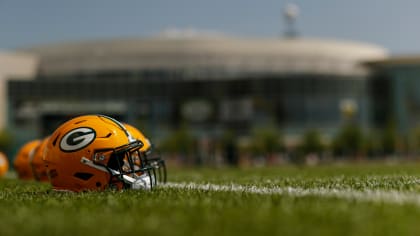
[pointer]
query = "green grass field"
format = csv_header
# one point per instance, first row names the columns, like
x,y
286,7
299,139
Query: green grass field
x,y
374,199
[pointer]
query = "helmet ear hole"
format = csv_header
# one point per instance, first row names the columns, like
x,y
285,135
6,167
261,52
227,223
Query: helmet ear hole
x,y
115,162
82,175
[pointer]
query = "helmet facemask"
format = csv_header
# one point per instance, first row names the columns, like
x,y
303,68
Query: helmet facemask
x,y
128,167
154,160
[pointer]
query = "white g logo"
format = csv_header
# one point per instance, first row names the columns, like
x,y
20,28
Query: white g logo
x,y
77,139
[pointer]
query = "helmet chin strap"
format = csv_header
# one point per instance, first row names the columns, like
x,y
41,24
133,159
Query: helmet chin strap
x,y
144,181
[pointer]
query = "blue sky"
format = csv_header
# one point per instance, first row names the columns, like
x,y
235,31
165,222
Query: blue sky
x,y
392,24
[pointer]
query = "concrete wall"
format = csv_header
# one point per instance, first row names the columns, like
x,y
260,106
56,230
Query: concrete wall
x,y
13,66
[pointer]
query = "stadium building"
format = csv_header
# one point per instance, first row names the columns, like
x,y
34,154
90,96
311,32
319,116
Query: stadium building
x,y
209,83
396,88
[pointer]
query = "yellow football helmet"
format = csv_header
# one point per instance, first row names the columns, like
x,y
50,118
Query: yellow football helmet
x,y
37,164
96,152
21,162
4,164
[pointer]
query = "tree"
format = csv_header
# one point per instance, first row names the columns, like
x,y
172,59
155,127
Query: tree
x,y
6,141
349,141
230,148
311,143
179,142
267,141
389,139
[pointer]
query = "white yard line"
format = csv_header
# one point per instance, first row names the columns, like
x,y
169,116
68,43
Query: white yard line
x,y
368,195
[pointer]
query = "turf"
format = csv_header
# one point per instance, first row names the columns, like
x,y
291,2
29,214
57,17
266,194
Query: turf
x,y
30,208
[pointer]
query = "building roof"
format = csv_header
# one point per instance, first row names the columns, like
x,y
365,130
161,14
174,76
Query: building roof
x,y
401,60
17,65
208,55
